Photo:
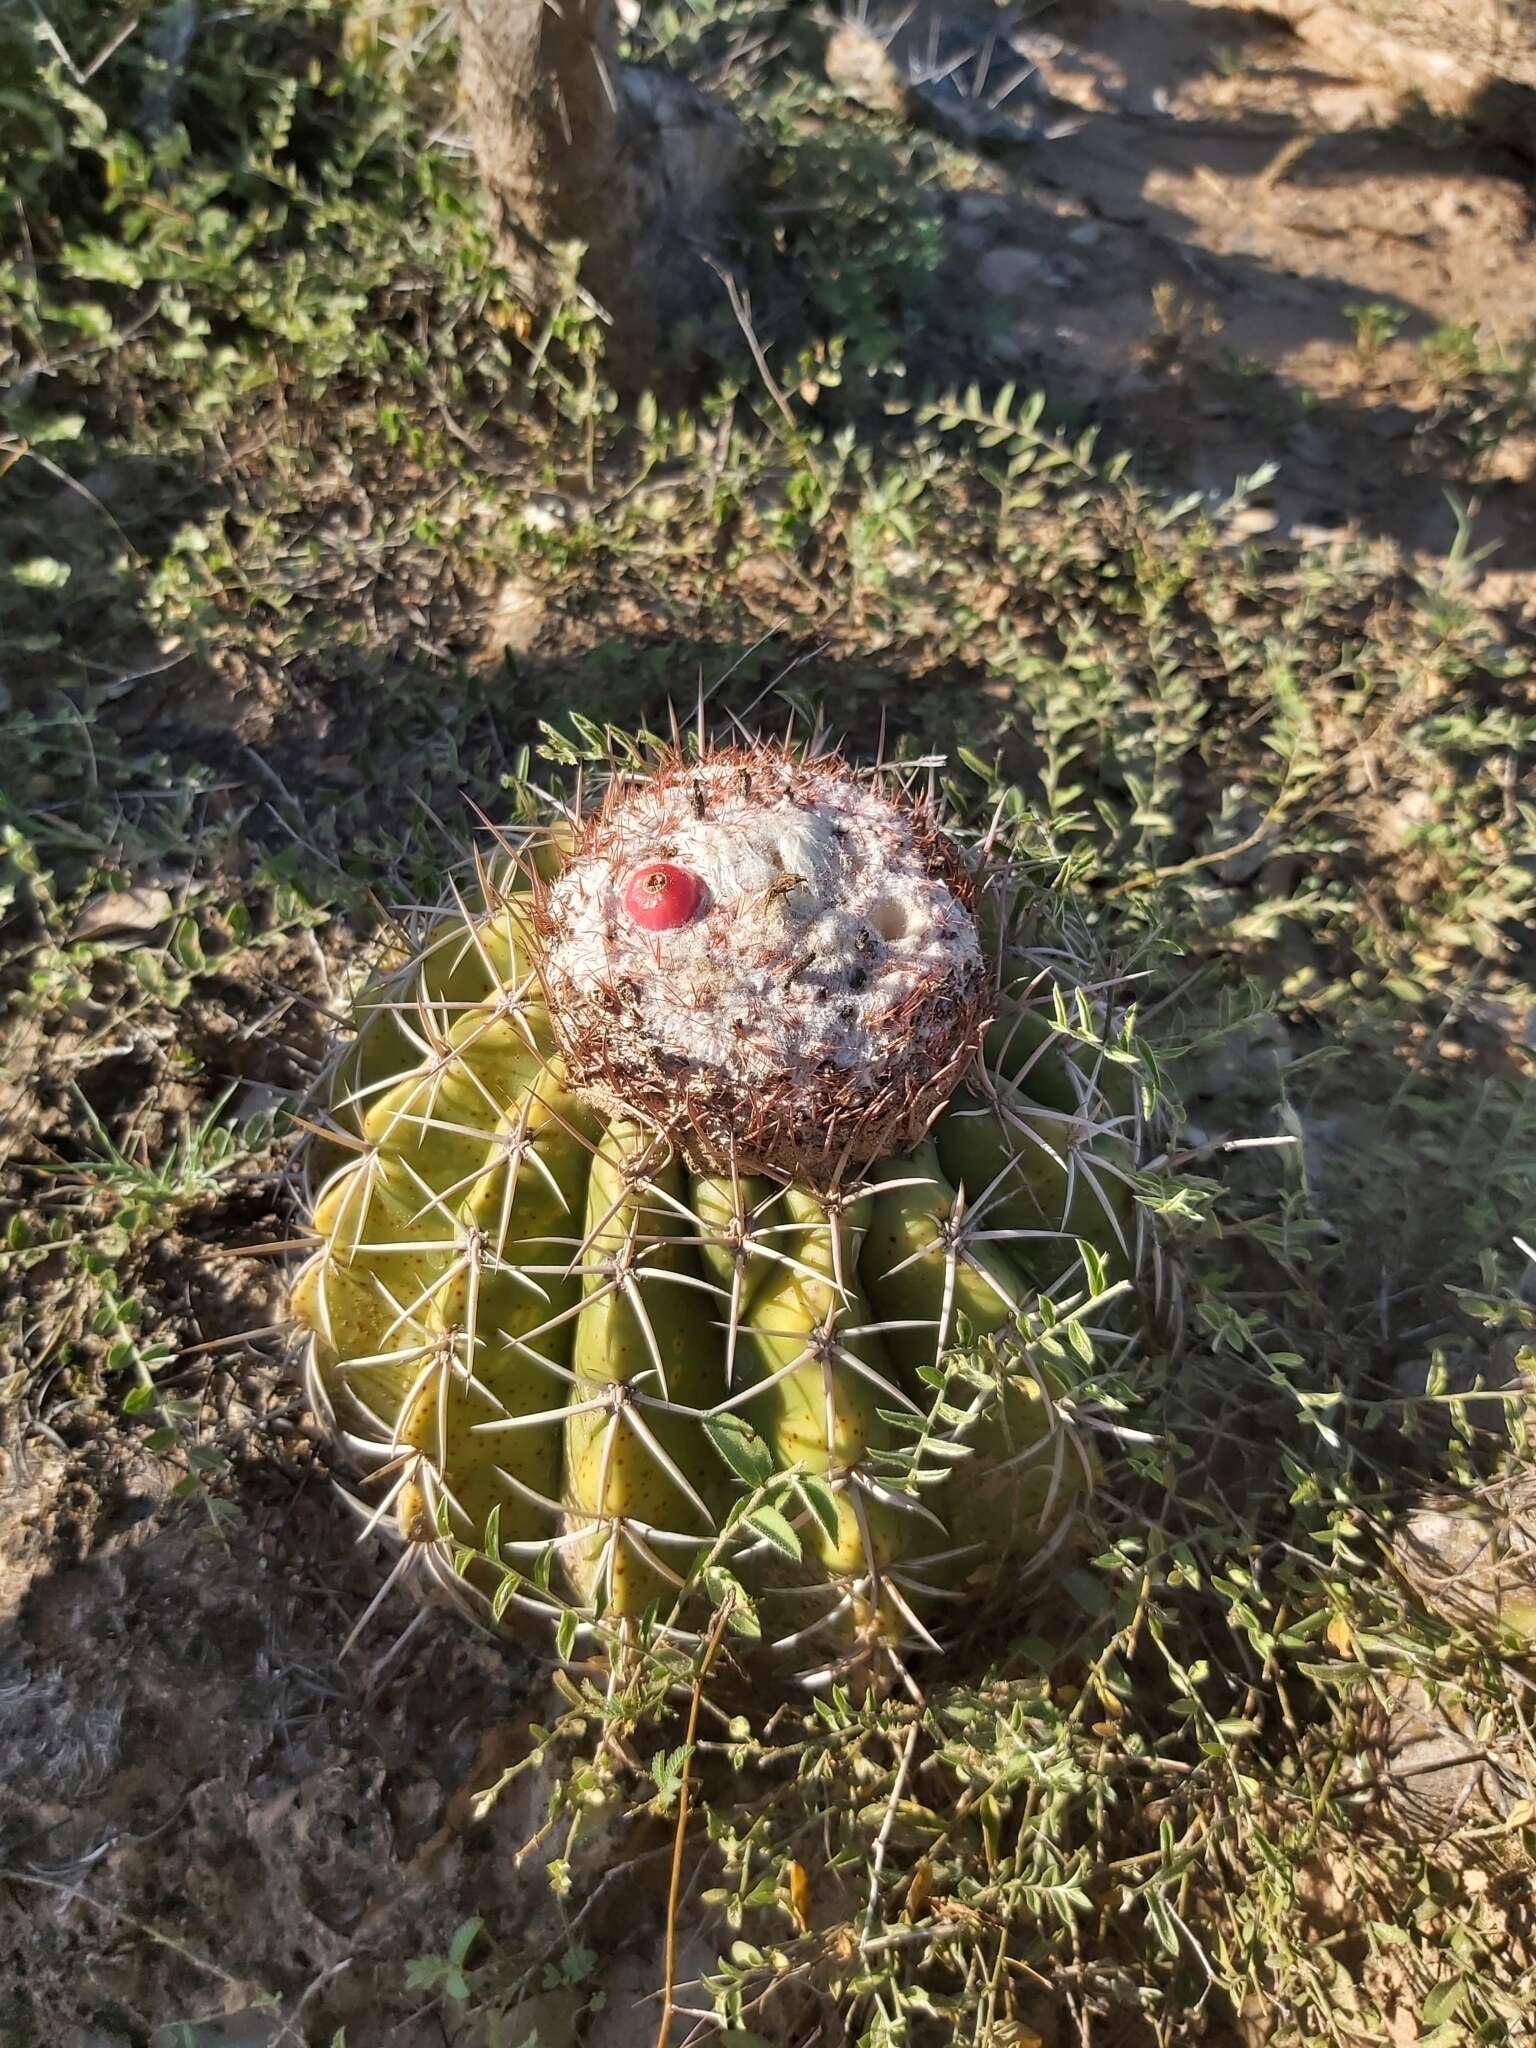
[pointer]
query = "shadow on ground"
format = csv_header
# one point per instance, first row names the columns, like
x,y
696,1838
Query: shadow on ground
x,y
1228,258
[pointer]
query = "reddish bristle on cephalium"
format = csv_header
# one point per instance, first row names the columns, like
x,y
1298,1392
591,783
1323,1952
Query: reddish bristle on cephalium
x,y
736,1198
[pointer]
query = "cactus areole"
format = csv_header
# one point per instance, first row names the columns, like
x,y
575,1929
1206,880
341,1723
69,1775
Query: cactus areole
x,y
711,1214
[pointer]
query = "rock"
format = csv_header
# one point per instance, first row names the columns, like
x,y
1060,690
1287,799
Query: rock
x,y
1075,76
859,64
976,208
763,573
1469,60
1308,533
1438,1772
1038,46
629,1983
1513,461
1013,273
1351,106
1306,442
1414,809
122,916
248,2029
514,619
1493,208
976,220
1237,1071
549,2017
417,1808
1248,523
694,146
1473,1561
546,513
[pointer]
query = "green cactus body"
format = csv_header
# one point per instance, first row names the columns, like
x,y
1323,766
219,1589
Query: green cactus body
x,y
1027,1472
491,1425
639,1473
1042,1178
365,1299
1026,1049
462,962
819,1399
823,1371
806,1326
927,1270
734,1218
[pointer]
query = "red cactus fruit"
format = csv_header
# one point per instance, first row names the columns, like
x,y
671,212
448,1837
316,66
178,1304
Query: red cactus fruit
x,y
660,897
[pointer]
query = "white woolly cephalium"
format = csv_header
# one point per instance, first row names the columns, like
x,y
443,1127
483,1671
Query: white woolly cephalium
x,y
812,1001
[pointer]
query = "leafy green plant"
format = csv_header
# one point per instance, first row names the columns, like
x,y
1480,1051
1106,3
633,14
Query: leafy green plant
x,y
1374,323
446,1974
140,1189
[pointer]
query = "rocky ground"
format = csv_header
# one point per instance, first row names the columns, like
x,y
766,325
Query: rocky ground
x,y
1238,255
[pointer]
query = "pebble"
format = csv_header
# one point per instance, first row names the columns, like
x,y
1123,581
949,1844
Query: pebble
x,y
1249,522
1349,106
1513,461
545,513
1010,272
978,208
249,2029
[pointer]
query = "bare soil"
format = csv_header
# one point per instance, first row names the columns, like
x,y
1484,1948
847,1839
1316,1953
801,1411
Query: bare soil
x,y
1183,262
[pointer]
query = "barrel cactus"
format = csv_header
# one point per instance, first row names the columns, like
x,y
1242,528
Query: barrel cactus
x,y
722,1195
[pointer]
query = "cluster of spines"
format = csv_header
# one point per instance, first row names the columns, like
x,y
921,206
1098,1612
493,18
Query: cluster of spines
x,y
557,1426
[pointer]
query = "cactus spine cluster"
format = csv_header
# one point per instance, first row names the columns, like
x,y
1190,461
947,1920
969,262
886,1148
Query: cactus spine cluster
x,y
707,1212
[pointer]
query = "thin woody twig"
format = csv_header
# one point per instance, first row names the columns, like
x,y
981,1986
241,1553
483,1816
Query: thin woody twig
x,y
674,1888
882,1840
1150,877
741,306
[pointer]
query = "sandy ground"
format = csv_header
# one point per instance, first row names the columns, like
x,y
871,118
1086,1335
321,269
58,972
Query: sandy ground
x,y
1183,261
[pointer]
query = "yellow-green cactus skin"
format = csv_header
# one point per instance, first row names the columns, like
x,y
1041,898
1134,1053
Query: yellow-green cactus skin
x,y
702,1205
